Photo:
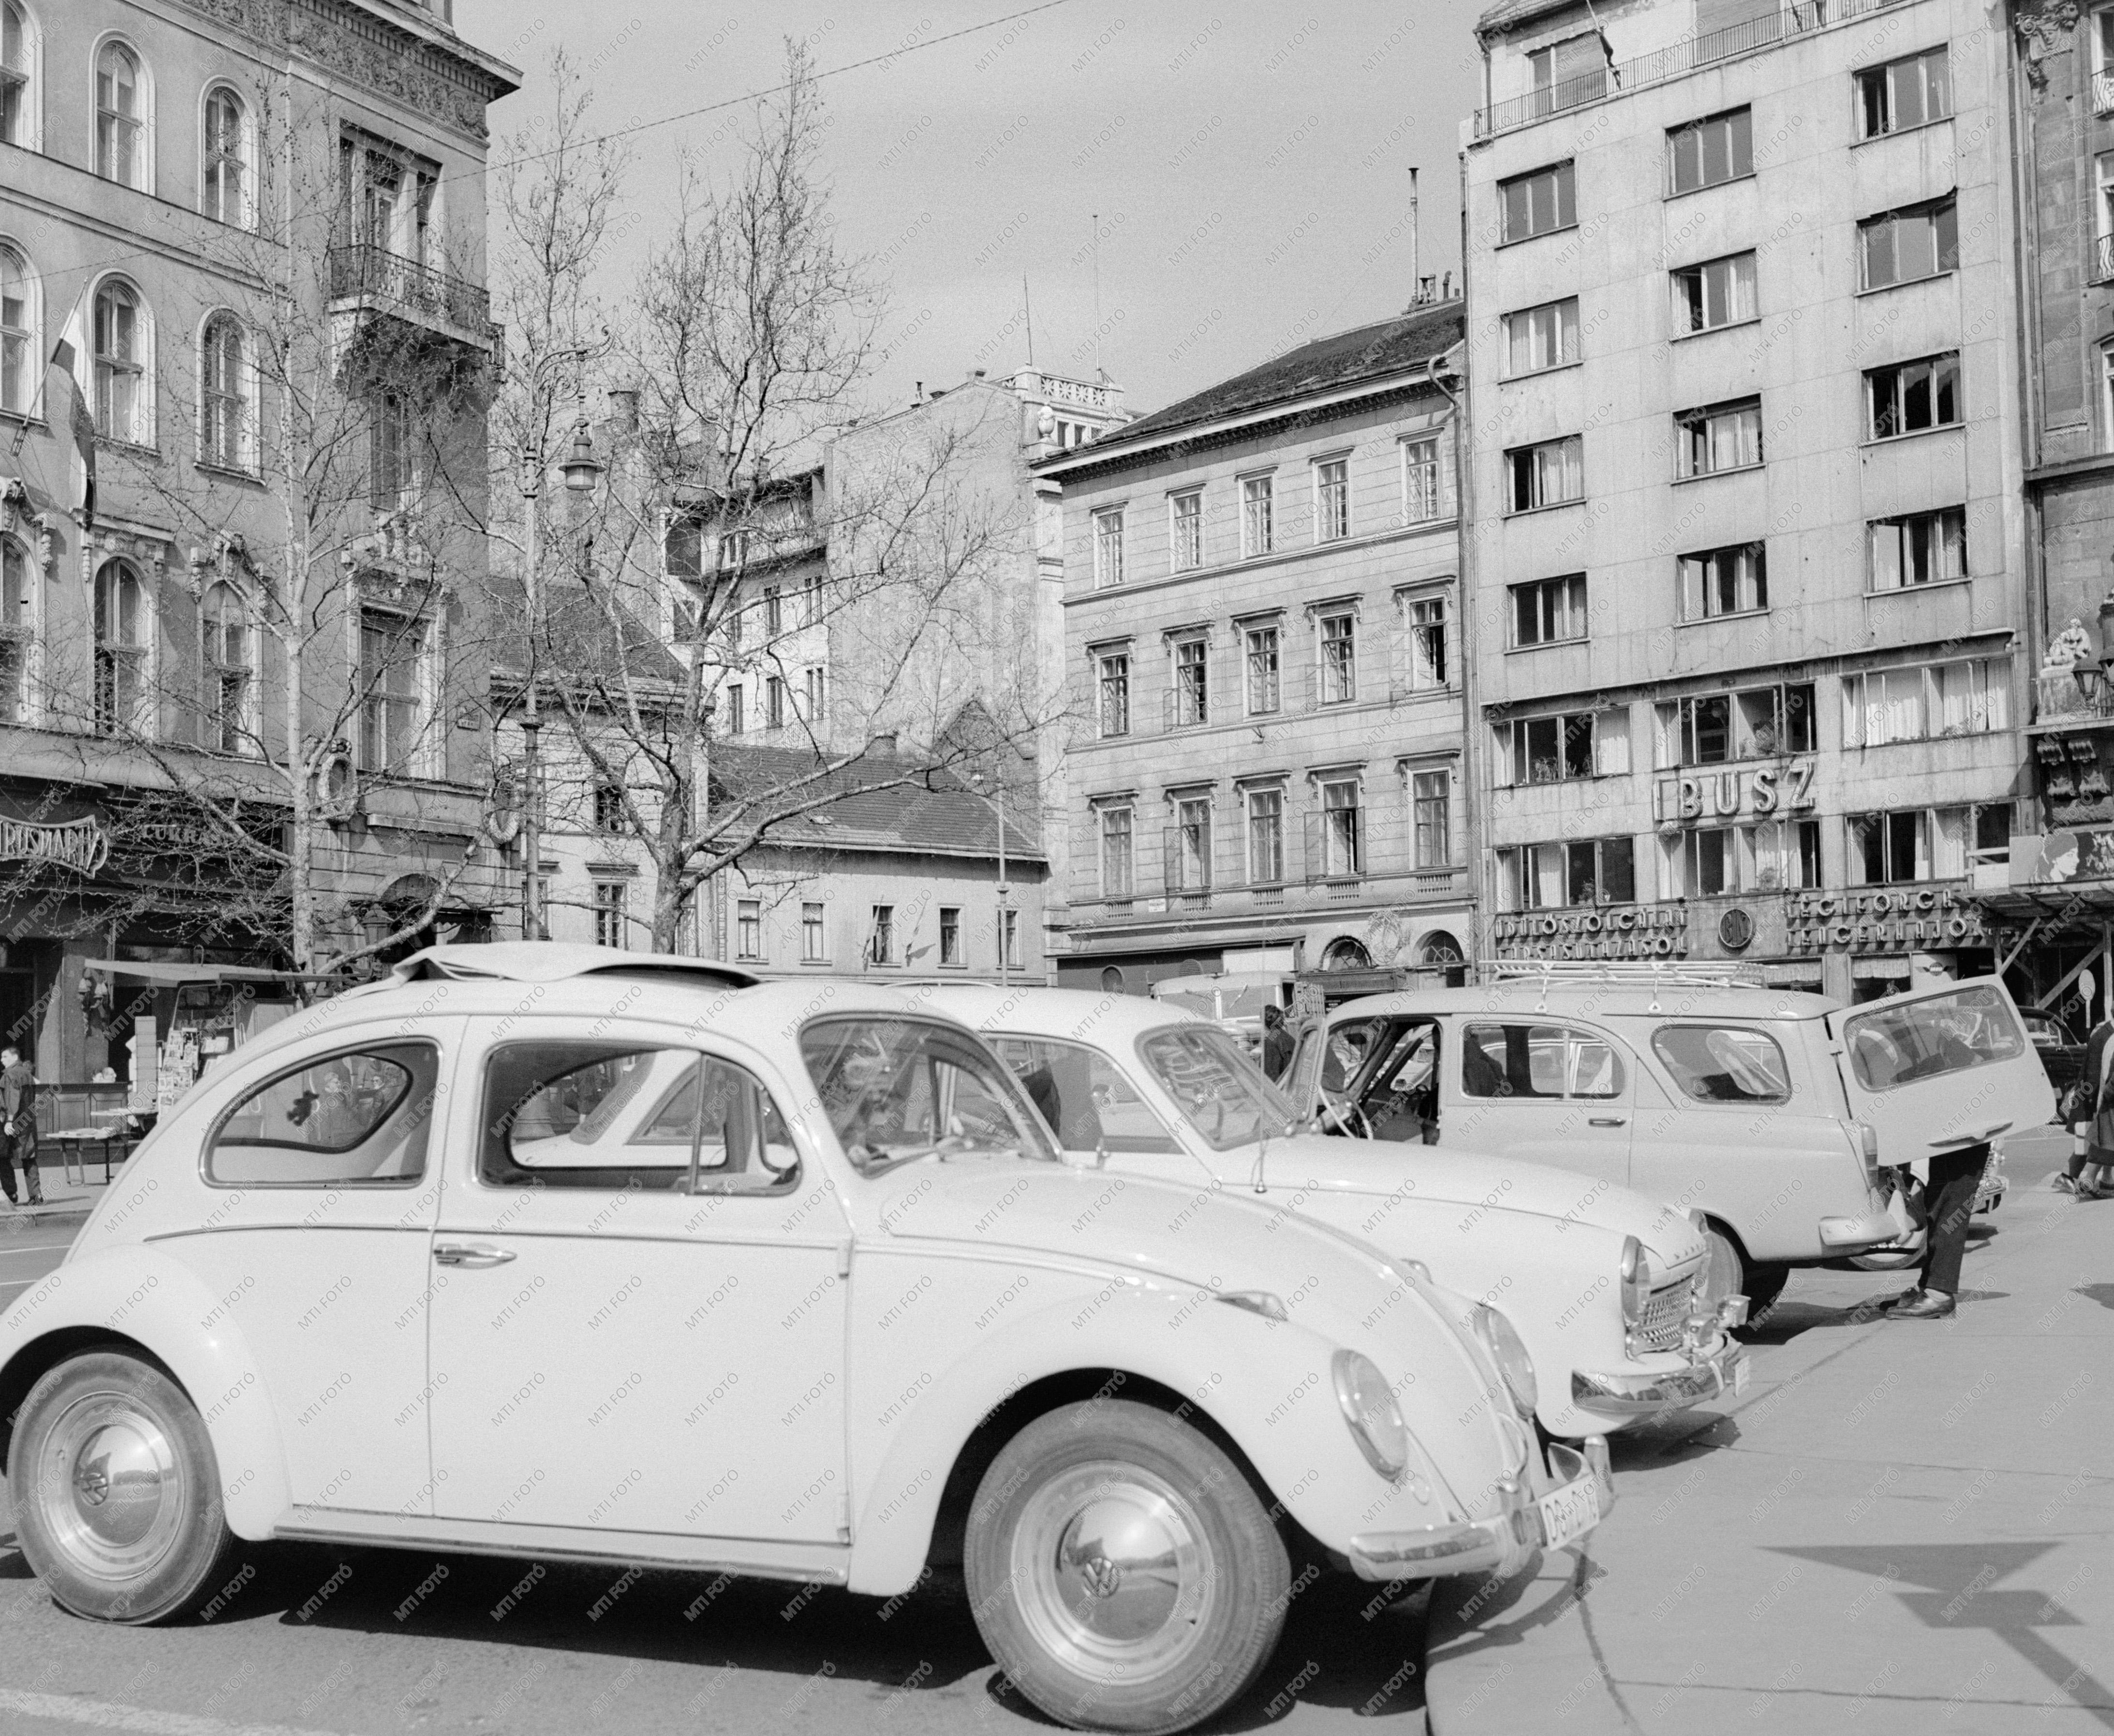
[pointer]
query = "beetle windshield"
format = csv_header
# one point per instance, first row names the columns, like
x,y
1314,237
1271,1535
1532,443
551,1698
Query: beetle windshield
x,y
895,1089
1222,1093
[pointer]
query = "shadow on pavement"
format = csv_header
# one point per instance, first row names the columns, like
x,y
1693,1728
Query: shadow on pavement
x,y
2102,1294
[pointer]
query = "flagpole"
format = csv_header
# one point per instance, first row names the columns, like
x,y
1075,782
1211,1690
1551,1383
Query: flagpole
x,y
43,379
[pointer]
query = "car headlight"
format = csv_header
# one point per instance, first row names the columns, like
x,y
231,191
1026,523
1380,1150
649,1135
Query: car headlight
x,y
1637,1276
1508,1350
1375,1419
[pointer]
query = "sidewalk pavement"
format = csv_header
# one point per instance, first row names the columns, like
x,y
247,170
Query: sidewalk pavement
x,y
66,1204
1899,1527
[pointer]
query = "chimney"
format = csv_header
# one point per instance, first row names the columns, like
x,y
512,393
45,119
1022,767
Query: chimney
x,y
624,407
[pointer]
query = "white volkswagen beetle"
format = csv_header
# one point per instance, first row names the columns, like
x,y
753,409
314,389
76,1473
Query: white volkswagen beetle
x,y
551,1252
1606,1288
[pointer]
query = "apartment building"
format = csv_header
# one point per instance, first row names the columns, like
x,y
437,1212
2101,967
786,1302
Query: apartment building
x,y
249,572
1752,639
1259,600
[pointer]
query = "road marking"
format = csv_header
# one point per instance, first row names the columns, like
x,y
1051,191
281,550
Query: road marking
x,y
103,1715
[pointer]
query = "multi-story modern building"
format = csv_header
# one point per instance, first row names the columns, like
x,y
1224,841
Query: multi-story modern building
x,y
1748,607
1260,600
256,231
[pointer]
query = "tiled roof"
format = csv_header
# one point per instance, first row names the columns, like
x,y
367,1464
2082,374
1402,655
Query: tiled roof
x,y
935,812
586,634
1385,347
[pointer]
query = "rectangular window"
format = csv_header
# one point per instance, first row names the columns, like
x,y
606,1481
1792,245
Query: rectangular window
x,y
1192,689
1733,581
1553,876
392,450
774,701
1265,837
736,720
609,902
1340,658
774,611
1920,844
1427,643
1343,831
1703,153
1114,681
950,934
1569,72
881,935
811,593
1903,246
1547,749
748,928
1186,526
814,944
1910,396
1107,548
1719,436
1782,855
1548,611
1549,474
1719,292
1188,862
1423,481
1717,729
1921,549
815,694
393,650
1542,337
1118,861
1910,92
1008,938
609,811
1263,688
1258,525
1538,203
1332,499
1430,799
1968,698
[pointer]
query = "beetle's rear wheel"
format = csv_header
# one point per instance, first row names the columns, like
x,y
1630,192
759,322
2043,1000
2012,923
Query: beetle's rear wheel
x,y
1121,1570
117,1496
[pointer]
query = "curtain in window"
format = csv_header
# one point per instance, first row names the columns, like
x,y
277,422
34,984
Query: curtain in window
x,y
1949,854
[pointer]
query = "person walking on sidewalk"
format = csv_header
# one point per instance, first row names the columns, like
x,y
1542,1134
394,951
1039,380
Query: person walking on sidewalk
x,y
2092,1119
18,1126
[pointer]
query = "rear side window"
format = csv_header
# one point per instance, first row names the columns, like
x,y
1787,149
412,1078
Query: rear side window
x,y
357,1117
1929,1038
1724,1063
1538,1061
1084,1097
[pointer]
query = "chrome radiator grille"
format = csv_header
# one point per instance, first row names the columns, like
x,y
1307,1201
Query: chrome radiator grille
x,y
1666,1311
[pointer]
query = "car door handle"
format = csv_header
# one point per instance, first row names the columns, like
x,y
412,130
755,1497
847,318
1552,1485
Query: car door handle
x,y
1971,1139
470,1254
1609,1121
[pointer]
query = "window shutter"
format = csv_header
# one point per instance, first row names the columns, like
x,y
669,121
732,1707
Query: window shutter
x,y
1672,880
1504,772
1312,820
1170,860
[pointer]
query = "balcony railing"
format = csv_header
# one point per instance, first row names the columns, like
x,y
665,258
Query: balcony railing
x,y
1798,19
374,273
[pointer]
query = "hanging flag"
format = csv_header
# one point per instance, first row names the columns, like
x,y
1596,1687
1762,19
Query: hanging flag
x,y
82,468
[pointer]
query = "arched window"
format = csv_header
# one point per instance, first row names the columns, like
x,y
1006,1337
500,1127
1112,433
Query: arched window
x,y
1347,954
224,388
229,671
120,647
17,629
18,333
226,187
17,70
120,116
122,395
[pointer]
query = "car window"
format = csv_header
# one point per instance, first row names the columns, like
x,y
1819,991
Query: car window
x,y
1538,1061
614,1115
1724,1063
1221,1093
897,1089
357,1117
1930,1038
1350,1047
1083,1097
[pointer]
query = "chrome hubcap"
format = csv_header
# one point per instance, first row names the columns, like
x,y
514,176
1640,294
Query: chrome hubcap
x,y
109,1490
1111,1569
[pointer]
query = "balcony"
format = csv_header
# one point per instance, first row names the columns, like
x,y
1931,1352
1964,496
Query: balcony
x,y
366,281
1794,19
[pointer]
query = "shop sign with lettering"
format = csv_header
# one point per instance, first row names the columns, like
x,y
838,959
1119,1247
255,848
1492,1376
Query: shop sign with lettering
x,y
81,845
1883,919
1621,931
1728,795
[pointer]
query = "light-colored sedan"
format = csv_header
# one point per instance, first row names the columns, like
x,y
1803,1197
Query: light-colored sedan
x,y
1606,1289
548,1252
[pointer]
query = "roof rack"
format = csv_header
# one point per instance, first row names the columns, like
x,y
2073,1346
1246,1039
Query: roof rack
x,y
1678,974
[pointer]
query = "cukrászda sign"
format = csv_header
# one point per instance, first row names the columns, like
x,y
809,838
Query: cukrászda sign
x,y
1623,931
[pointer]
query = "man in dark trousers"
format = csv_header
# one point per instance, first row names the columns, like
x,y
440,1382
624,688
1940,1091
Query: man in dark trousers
x,y
1949,1199
18,1126
1277,1043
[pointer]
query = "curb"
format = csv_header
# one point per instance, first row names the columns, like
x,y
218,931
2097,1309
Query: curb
x,y
1492,1649
52,1217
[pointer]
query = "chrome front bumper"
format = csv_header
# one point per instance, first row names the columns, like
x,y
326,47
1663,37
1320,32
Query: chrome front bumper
x,y
1501,1545
1840,1235
1645,1394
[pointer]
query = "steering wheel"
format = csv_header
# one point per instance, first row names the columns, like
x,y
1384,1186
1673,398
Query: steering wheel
x,y
1345,1118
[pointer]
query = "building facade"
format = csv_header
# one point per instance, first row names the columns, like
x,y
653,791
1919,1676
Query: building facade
x,y
1749,620
218,609
1264,774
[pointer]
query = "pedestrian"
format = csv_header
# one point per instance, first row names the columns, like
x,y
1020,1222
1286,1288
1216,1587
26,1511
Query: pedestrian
x,y
18,1126
2091,1118
1955,1177
1276,1043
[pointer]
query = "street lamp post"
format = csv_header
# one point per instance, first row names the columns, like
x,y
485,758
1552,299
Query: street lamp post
x,y
1004,892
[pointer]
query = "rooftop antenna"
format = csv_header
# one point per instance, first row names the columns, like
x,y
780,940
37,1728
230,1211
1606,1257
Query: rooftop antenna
x,y
1099,370
1027,308
1415,249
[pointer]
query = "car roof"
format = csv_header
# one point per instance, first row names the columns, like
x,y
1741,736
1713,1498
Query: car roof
x,y
1084,1014
1587,999
555,960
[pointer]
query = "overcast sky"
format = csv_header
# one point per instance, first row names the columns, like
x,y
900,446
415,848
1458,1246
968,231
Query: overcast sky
x,y
1249,161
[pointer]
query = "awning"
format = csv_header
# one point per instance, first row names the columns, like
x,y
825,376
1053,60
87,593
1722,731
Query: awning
x,y
169,973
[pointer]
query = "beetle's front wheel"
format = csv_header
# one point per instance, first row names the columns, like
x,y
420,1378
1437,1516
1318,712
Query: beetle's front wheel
x,y
1122,1570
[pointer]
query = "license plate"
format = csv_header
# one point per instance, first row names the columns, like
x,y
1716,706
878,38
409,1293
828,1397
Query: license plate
x,y
1740,1370
1569,1513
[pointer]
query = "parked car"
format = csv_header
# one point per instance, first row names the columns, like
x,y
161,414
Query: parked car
x,y
1785,1118
2060,1049
546,1251
1602,1286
